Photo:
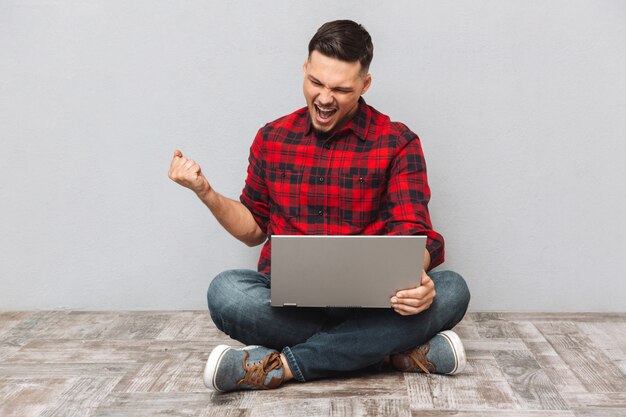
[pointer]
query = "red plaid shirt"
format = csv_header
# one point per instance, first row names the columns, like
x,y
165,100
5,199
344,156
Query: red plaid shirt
x,y
368,178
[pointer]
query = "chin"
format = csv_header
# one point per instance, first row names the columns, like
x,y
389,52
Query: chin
x,y
324,129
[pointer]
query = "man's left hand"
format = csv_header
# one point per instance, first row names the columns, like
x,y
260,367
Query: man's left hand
x,y
414,300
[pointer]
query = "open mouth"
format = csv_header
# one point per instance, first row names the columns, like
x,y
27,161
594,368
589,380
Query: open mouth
x,y
324,114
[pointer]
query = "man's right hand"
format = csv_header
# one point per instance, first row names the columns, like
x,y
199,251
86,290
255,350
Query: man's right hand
x,y
231,214
187,173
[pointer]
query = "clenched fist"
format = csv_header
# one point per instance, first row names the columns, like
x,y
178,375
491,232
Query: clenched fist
x,y
187,173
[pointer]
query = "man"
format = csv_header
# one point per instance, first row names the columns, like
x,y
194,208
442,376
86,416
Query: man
x,y
335,167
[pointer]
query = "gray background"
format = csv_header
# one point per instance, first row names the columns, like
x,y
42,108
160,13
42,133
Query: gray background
x,y
520,106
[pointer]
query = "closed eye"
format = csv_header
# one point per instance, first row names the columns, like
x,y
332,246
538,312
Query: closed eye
x,y
341,90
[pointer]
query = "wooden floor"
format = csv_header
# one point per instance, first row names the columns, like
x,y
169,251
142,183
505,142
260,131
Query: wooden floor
x,y
114,364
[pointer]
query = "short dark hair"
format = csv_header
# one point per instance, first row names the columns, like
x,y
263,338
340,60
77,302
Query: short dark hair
x,y
345,40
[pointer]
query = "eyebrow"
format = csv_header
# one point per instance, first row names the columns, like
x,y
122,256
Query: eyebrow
x,y
346,89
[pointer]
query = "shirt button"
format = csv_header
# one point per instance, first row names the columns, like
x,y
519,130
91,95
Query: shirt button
x,y
320,213
283,174
361,180
321,179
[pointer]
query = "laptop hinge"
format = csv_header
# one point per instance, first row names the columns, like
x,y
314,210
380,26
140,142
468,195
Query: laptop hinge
x,y
290,305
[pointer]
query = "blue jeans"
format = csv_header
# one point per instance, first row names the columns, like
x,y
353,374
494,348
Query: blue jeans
x,y
322,342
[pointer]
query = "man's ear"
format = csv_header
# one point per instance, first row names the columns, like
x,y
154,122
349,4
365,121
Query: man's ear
x,y
306,61
367,83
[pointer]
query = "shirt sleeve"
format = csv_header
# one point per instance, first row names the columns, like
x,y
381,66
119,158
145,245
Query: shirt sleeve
x,y
254,194
409,194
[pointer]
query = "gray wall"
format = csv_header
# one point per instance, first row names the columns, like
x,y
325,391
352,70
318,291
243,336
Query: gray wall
x,y
520,106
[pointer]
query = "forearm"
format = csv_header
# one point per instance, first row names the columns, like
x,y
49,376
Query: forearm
x,y
234,217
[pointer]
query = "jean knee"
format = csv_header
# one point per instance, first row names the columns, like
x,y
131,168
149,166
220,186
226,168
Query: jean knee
x,y
453,295
235,295
459,291
215,287
219,297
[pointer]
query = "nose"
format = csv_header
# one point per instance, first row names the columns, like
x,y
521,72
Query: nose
x,y
325,97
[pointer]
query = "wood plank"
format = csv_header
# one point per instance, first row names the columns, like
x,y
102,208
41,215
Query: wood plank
x,y
22,331
559,373
532,387
493,326
173,372
6,351
360,384
9,319
577,317
493,345
138,325
418,390
600,412
73,325
609,337
316,407
81,398
466,328
184,346
492,413
171,404
466,392
391,407
481,386
63,370
188,325
592,367
81,351
224,412
596,400
29,397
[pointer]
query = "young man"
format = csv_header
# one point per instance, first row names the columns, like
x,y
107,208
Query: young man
x,y
335,167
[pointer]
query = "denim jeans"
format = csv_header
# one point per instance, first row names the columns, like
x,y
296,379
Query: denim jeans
x,y
322,342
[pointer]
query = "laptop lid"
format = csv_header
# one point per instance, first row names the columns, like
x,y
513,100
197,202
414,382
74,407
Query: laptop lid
x,y
343,271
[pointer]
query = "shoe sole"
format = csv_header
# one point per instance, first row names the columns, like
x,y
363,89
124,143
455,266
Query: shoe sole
x,y
458,349
211,366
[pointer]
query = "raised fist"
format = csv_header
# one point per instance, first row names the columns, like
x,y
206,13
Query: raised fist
x,y
187,173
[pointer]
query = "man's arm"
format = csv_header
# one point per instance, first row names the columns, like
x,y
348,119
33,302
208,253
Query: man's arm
x,y
231,214
234,217
409,195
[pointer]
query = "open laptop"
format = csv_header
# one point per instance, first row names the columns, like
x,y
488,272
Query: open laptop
x,y
343,271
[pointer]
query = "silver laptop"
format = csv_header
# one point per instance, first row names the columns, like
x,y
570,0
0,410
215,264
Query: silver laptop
x,y
343,271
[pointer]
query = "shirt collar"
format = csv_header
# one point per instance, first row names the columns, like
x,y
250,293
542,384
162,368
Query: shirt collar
x,y
359,125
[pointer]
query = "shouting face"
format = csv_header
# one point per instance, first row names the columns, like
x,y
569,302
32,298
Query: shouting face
x,y
332,89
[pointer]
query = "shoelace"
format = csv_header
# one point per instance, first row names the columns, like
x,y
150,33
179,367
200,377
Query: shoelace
x,y
256,373
418,356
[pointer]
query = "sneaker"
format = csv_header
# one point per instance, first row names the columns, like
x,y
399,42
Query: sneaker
x,y
443,354
251,367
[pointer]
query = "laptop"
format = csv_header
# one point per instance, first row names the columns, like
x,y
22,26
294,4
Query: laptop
x,y
343,271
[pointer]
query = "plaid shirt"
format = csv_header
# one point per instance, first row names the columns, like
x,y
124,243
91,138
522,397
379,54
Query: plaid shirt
x,y
368,178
